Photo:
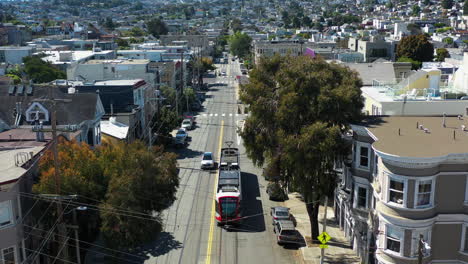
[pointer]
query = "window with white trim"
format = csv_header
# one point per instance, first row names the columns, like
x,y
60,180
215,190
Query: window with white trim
x,y
424,193
396,191
8,256
360,199
363,156
6,215
393,238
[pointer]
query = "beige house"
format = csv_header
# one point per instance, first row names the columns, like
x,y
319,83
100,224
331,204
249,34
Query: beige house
x,y
407,176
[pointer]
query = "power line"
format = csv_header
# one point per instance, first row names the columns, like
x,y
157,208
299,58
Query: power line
x,y
96,245
98,252
40,253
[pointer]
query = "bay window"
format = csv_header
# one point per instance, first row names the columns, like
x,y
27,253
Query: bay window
x,y
424,190
6,215
362,155
396,192
393,239
8,256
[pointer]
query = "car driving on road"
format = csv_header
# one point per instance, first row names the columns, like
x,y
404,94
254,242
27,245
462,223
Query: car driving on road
x,y
207,161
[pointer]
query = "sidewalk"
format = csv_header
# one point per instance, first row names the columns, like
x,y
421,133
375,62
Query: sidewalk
x,y
338,252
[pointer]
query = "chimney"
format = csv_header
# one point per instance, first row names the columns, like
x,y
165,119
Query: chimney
x,y
39,133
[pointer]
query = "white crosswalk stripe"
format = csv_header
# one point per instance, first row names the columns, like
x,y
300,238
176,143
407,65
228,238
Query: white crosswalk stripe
x,y
222,115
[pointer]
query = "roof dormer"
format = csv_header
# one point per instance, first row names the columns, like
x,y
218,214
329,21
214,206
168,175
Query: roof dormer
x,y
37,112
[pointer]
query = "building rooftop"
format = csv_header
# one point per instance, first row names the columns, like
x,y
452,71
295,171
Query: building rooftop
x,y
9,159
113,128
411,141
131,61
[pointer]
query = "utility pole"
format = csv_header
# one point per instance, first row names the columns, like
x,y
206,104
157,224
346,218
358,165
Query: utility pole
x,y
77,245
61,227
181,73
324,229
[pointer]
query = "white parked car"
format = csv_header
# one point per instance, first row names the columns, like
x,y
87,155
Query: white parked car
x,y
187,124
207,161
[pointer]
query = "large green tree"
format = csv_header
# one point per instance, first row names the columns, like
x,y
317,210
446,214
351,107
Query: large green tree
x,y
157,27
124,185
465,8
299,108
416,47
442,54
236,25
239,44
447,4
140,181
40,71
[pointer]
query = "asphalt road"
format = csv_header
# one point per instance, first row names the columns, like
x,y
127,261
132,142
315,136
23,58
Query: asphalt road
x,y
186,237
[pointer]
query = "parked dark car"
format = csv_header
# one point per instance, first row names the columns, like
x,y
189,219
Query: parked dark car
x,y
276,192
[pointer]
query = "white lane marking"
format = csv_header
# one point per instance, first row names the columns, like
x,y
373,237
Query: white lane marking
x,y
215,114
230,114
204,114
223,114
211,114
237,114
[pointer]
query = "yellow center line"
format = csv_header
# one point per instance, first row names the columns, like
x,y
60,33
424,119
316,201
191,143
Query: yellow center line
x,y
213,206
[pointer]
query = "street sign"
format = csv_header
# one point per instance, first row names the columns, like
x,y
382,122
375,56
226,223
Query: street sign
x,y
324,237
323,246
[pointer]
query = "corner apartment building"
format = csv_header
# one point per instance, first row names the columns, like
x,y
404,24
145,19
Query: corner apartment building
x,y
373,48
19,152
406,177
293,48
15,55
99,70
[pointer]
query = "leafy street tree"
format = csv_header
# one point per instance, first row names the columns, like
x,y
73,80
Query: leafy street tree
x,y
416,47
416,10
141,181
414,29
441,54
465,8
299,108
306,21
200,66
447,4
239,44
40,71
157,27
164,122
236,25
109,23
415,65
122,43
115,178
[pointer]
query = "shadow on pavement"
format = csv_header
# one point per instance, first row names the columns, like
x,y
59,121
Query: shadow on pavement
x,y
300,243
187,153
163,245
254,220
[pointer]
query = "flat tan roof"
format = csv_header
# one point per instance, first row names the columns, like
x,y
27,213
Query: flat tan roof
x,y
117,61
414,142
